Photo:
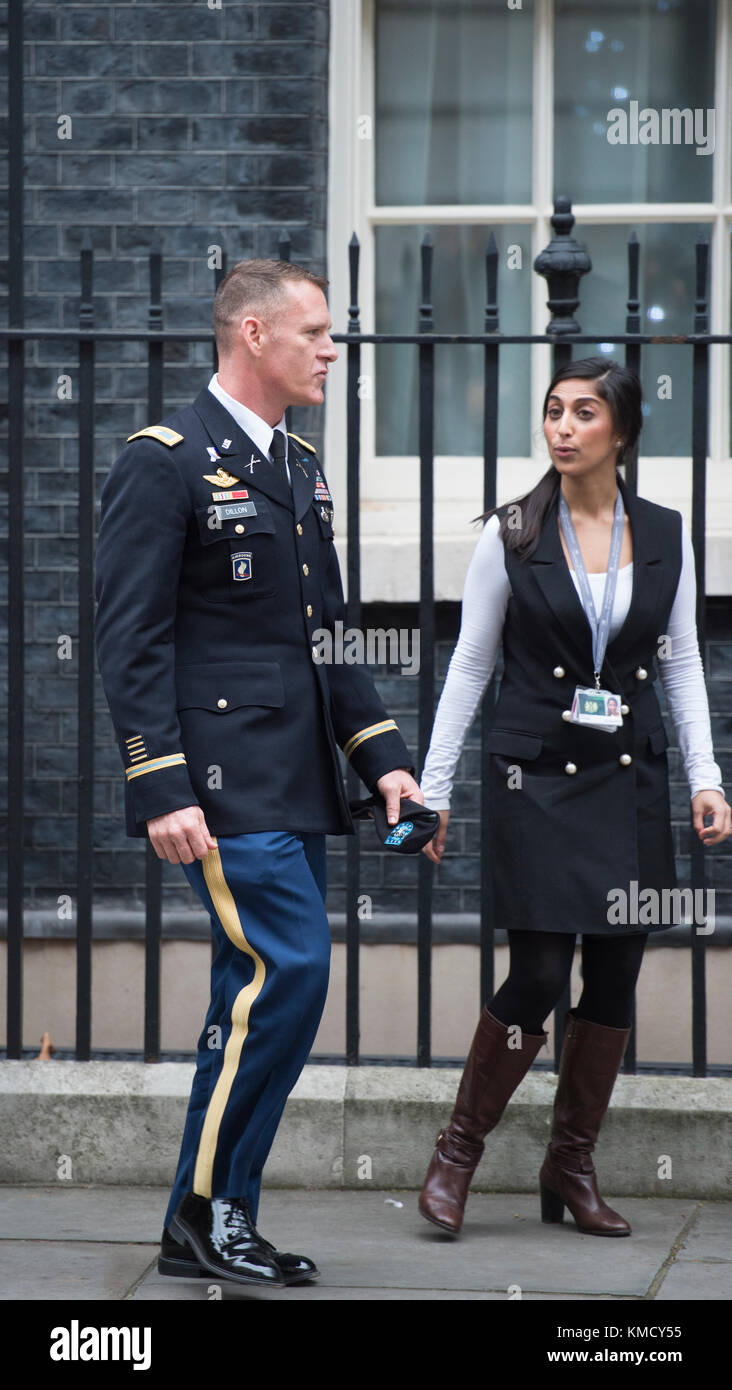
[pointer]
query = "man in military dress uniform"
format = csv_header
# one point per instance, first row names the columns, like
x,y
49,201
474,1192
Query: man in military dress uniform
x,y
215,566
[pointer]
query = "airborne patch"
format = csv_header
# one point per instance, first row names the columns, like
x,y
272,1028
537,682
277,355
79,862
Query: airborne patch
x,y
241,564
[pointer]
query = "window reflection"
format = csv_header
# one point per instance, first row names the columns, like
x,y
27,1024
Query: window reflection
x,y
659,55
453,101
459,307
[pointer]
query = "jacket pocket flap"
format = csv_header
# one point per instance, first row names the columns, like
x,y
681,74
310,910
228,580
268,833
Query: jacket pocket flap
x,y
658,740
227,685
514,745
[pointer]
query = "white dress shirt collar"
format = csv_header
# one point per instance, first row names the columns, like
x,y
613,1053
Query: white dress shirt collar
x,y
258,430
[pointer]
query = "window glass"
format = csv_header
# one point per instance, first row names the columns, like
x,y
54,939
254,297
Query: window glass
x,y
647,59
453,101
459,292
667,291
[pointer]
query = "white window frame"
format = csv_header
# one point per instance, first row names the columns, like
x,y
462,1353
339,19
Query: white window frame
x,y
390,485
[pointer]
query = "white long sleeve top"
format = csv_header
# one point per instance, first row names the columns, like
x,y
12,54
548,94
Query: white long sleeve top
x,y
487,590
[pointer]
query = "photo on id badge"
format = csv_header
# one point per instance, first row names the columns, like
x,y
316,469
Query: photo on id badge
x,y
598,708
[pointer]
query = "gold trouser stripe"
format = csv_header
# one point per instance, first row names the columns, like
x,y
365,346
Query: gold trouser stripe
x,y
154,765
227,913
370,732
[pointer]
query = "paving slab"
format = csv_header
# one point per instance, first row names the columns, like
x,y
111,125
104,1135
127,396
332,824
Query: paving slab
x,y
101,1243
365,1241
68,1212
702,1269
42,1270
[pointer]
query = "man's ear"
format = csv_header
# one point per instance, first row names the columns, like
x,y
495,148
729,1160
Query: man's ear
x,y
252,334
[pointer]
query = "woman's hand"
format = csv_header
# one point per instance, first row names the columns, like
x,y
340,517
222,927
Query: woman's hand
x,y
711,803
436,847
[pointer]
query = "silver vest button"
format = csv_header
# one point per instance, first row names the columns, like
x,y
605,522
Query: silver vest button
x,y
570,768
625,759
566,714
222,703
641,673
625,709
559,671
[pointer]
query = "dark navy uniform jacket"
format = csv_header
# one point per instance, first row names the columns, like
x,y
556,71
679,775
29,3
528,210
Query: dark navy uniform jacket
x,y
205,630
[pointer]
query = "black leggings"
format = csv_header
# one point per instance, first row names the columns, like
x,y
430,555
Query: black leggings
x,y
540,965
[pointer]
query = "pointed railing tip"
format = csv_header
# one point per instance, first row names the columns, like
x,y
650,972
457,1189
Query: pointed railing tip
x,y
633,237
354,241
492,249
86,243
427,239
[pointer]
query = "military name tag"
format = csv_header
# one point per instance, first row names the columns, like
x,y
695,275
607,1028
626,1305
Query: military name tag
x,y
231,509
599,709
241,564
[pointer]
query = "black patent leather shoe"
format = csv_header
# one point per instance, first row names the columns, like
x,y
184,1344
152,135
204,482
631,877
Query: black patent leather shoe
x,y
220,1234
295,1268
176,1260
179,1261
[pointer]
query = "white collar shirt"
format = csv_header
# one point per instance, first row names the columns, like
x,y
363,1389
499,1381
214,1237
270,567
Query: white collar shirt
x,y
253,425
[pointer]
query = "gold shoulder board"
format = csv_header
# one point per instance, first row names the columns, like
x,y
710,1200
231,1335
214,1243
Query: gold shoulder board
x,y
305,445
159,432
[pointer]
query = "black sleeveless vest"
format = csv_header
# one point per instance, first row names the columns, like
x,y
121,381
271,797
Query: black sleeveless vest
x,y
577,812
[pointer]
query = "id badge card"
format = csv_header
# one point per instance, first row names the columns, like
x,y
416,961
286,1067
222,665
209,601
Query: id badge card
x,y
598,709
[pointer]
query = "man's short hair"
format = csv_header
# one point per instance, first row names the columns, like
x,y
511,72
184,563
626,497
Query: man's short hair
x,y
254,287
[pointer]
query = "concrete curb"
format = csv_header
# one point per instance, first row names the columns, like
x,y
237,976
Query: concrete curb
x,y
355,1127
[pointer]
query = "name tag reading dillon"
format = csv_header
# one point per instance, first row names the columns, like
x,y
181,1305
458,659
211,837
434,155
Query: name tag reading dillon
x,y
229,509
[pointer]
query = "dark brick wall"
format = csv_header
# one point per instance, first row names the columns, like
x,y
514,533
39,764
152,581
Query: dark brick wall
x,y
199,127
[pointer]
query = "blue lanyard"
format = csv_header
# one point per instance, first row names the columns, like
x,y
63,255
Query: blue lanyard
x,y
601,629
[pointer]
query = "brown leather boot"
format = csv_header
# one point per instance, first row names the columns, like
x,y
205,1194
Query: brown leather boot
x,y
590,1062
492,1072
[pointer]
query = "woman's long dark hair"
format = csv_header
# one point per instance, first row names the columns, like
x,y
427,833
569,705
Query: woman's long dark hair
x,y
617,385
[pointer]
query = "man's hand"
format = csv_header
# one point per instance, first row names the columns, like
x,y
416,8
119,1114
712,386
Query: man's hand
x,y
711,803
181,836
393,786
436,847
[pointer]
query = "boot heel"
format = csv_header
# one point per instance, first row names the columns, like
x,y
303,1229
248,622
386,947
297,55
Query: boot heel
x,y
552,1207
177,1231
181,1269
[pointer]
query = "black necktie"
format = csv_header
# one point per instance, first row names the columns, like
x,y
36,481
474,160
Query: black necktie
x,y
278,450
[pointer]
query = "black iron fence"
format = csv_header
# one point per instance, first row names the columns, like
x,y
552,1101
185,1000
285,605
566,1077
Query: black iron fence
x,y
562,263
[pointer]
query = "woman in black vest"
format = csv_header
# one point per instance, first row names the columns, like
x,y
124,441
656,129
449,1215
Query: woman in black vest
x,y
591,591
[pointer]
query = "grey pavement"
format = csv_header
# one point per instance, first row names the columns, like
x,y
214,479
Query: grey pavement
x,y
101,1243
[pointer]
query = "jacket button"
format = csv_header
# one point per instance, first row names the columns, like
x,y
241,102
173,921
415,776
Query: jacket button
x,y
299,529
566,714
625,709
222,703
305,569
559,671
571,768
625,759
239,529
309,610
641,673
